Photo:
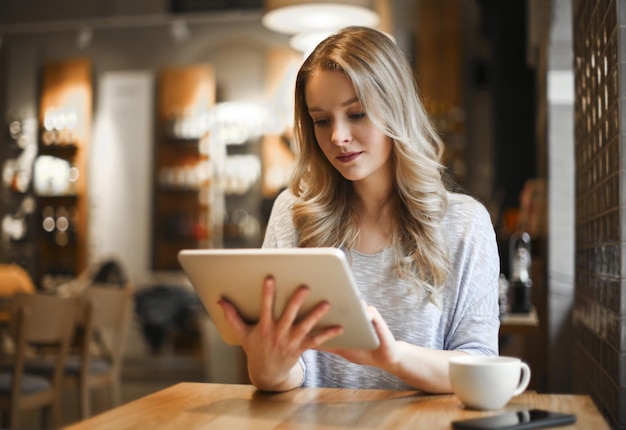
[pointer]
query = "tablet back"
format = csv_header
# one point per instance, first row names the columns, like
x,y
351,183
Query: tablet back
x,y
238,274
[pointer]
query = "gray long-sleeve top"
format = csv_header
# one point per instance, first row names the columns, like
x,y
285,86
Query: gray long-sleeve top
x,y
468,319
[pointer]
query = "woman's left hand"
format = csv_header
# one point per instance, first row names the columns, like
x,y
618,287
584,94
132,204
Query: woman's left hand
x,y
386,356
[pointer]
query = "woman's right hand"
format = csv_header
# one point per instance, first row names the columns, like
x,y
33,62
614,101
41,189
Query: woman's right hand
x,y
274,346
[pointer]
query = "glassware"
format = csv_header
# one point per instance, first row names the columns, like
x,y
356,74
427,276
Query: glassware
x,y
520,281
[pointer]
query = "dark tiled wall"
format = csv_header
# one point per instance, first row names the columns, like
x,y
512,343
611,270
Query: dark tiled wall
x,y
600,301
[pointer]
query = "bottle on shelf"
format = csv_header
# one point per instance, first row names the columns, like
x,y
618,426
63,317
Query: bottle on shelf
x,y
520,282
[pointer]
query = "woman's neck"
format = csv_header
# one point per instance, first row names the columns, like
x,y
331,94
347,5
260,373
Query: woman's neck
x,y
376,217
373,195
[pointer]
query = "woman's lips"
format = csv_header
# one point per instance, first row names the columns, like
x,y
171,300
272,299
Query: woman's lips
x,y
346,158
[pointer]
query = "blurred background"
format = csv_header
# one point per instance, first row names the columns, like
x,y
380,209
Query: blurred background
x,y
135,129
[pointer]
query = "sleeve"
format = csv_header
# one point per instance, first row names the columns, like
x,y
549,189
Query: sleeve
x,y
303,366
475,317
280,231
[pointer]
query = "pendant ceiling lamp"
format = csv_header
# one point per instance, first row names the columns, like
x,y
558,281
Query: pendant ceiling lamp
x,y
310,21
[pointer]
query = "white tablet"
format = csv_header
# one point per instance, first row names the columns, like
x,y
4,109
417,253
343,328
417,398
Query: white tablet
x,y
238,274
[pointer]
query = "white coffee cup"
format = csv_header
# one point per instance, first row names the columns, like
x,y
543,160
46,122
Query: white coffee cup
x,y
482,382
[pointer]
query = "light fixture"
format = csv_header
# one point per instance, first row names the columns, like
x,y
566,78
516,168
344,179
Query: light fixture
x,y
307,40
310,21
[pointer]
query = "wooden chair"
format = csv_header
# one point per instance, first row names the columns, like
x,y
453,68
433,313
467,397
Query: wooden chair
x,y
106,317
97,354
95,360
102,323
38,322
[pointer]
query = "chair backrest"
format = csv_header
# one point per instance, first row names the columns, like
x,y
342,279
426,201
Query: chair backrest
x,y
49,319
106,314
40,320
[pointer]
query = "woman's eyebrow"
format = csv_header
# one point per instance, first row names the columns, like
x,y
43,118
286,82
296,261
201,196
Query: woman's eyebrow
x,y
346,103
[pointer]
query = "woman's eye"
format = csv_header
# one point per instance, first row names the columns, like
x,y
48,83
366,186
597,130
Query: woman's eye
x,y
357,116
320,122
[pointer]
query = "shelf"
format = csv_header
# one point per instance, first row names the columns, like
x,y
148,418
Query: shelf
x,y
181,192
64,151
183,142
514,323
56,199
66,90
182,207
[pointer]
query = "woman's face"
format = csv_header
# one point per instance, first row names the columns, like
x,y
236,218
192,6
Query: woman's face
x,y
344,132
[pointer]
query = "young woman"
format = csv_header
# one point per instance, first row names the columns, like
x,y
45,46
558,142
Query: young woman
x,y
368,180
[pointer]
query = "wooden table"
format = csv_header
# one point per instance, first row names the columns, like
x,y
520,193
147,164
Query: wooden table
x,y
231,406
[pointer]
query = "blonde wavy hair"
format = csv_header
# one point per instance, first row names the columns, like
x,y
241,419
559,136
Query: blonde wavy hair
x,y
324,214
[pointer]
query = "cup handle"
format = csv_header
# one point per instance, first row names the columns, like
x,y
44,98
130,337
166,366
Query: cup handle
x,y
525,379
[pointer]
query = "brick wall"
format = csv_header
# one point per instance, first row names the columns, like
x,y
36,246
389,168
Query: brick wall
x,y
600,301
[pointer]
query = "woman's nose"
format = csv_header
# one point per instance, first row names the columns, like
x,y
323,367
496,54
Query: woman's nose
x,y
341,133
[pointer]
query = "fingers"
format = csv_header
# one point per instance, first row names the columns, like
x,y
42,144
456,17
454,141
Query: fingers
x,y
373,312
233,318
266,317
307,324
267,297
376,319
288,331
309,336
318,339
369,310
290,313
303,332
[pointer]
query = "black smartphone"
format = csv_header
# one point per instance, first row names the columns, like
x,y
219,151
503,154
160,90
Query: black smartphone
x,y
516,420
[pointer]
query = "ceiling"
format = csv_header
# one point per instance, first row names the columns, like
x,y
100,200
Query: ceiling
x,y
184,6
